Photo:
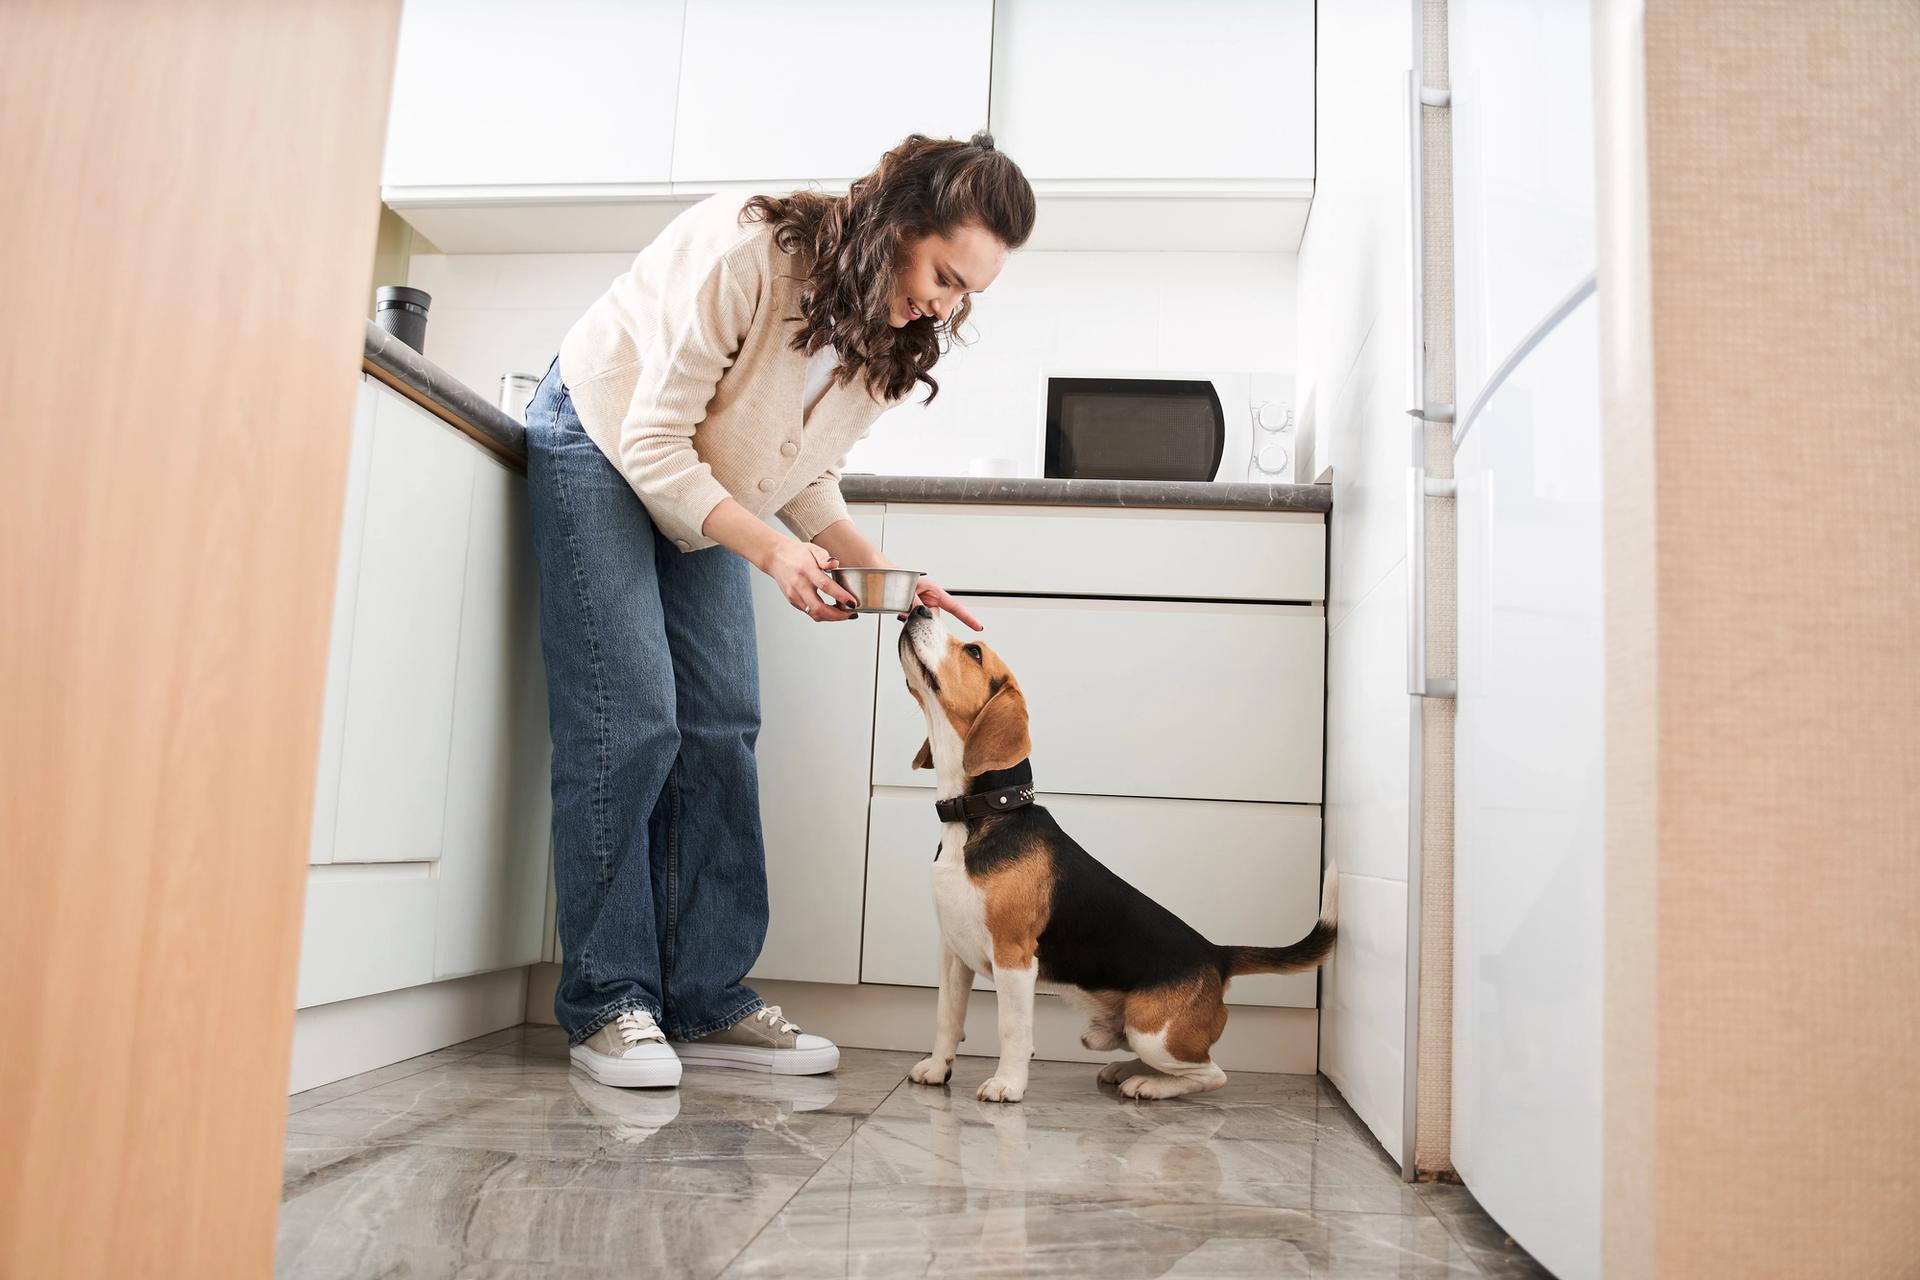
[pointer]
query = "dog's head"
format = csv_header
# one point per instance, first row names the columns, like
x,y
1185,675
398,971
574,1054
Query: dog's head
x,y
973,705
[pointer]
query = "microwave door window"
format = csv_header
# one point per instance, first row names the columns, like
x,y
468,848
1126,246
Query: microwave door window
x,y
1132,436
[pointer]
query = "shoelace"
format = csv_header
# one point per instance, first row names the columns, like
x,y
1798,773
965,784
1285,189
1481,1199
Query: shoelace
x,y
636,1027
772,1016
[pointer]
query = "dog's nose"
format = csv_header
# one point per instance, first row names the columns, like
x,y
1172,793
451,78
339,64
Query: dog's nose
x,y
921,611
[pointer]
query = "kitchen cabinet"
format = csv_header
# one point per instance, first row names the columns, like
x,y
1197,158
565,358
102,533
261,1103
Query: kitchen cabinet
x,y
1149,698
795,92
1142,92
816,741
326,784
431,810
574,93
494,853
586,125
397,718
1198,555
1239,873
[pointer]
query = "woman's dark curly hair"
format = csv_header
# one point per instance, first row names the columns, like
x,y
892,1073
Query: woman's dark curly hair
x,y
852,246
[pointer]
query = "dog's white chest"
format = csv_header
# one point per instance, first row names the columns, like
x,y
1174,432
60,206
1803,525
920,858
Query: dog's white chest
x,y
960,905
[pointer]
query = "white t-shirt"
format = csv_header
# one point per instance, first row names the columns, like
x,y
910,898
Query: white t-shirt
x,y
820,367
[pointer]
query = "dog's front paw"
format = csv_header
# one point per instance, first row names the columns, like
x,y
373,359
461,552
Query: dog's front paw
x,y
1151,1084
1114,1072
930,1070
997,1089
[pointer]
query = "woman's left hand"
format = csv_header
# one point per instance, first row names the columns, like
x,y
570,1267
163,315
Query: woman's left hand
x,y
934,596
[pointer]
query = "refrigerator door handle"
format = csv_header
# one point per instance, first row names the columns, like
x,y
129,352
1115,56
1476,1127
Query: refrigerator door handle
x,y
1420,487
1535,336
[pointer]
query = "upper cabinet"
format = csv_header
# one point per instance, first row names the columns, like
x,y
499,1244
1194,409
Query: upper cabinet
x,y
585,125
502,93
815,92
1133,91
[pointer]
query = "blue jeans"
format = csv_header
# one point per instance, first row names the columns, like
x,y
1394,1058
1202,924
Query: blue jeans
x,y
654,694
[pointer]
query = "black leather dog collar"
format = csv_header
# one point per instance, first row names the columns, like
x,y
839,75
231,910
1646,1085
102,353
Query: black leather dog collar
x,y
1004,791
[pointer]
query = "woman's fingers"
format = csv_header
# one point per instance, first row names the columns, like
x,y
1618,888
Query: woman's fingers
x,y
931,593
833,588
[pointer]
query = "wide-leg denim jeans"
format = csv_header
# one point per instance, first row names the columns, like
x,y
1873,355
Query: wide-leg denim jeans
x,y
653,686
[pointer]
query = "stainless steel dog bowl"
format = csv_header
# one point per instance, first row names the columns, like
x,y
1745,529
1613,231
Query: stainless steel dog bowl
x,y
879,590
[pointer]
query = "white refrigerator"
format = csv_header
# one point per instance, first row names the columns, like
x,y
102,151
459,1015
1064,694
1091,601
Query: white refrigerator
x,y
1526,1135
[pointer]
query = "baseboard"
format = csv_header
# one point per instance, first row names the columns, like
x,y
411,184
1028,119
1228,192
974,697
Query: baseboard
x,y
333,1041
1258,1038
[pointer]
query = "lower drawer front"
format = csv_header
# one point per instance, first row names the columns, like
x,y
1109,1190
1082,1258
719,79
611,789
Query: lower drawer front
x,y
1239,873
1136,698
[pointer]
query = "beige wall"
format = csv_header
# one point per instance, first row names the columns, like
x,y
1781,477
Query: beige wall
x,y
179,400
1761,299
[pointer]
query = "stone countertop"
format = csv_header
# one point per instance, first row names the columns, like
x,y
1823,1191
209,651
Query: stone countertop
x,y
1191,495
421,380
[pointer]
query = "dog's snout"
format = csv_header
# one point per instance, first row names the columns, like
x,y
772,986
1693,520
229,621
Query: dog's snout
x,y
921,611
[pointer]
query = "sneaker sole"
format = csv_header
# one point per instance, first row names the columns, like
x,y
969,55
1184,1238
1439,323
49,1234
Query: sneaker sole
x,y
627,1073
779,1062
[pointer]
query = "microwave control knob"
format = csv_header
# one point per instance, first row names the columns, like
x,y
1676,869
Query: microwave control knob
x,y
1271,415
1272,459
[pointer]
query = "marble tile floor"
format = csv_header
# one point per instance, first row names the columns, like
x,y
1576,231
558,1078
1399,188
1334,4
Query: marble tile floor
x,y
496,1159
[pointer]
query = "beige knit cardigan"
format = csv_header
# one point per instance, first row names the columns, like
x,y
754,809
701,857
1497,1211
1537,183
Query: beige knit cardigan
x,y
684,374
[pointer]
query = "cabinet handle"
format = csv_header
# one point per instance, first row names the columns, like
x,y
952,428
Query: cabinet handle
x,y
1419,487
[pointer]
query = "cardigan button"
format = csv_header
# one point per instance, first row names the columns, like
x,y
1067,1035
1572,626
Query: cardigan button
x,y
766,486
683,544
789,448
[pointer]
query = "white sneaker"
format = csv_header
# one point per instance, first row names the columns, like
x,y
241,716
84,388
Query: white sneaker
x,y
762,1041
630,1052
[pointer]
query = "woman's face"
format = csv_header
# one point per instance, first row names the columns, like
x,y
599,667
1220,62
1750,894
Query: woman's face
x,y
940,270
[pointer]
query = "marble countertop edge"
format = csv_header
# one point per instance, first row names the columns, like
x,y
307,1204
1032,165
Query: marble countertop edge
x,y
419,379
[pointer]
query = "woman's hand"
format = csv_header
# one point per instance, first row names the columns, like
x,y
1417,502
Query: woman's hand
x,y
934,596
799,569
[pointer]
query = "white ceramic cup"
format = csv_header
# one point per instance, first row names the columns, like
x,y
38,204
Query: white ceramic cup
x,y
993,467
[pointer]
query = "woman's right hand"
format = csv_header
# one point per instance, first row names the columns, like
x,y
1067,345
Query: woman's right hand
x,y
799,569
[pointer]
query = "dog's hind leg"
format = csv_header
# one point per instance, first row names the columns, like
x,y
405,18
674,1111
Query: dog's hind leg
x,y
1115,1072
1177,1052
949,1020
1106,1022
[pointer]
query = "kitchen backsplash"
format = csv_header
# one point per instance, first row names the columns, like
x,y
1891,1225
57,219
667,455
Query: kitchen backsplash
x,y
495,314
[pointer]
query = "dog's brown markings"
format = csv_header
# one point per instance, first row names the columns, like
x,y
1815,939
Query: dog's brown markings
x,y
1019,896
988,712
1189,1014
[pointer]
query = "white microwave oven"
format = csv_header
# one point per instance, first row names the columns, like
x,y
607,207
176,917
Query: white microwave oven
x,y
1235,427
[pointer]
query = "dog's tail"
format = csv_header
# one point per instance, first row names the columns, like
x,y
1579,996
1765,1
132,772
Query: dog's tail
x,y
1304,954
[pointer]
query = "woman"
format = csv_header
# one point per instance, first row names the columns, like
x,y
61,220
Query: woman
x,y
720,380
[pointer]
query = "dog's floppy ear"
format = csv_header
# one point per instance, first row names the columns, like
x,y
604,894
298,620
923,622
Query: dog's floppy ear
x,y
923,758
998,738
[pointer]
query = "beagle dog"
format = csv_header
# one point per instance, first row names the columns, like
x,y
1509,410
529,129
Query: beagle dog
x,y
1020,902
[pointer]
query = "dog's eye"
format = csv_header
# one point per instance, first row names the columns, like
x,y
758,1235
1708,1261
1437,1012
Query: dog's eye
x,y
971,650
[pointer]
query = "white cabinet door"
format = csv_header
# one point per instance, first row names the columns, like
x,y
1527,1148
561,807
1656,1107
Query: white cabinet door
x,y
493,859
326,782
1143,90
1143,698
816,739
790,91
568,92
368,929
397,718
1245,874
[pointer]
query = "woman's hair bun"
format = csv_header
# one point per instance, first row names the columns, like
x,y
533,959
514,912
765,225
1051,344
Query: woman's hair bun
x,y
982,140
